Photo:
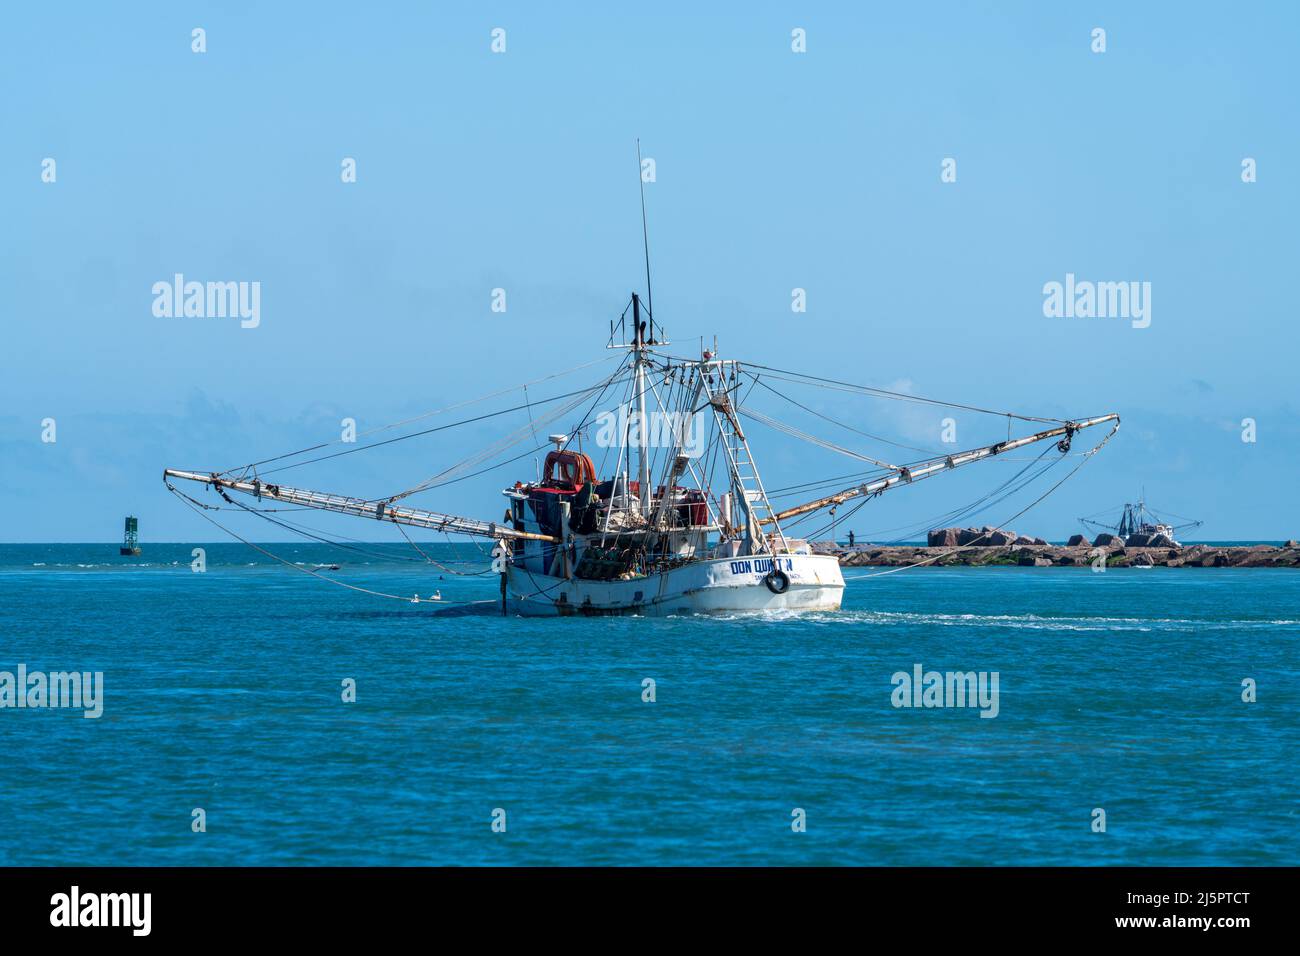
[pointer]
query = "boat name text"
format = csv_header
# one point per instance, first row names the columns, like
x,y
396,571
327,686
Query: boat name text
x,y
760,565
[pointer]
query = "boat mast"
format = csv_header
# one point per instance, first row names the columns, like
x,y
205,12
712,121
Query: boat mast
x,y
639,344
642,431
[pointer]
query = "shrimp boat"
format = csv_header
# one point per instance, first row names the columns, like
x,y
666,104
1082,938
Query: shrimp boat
x,y
1140,526
677,519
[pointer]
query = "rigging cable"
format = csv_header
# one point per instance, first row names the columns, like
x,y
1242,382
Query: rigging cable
x,y
879,438
899,396
416,418
426,431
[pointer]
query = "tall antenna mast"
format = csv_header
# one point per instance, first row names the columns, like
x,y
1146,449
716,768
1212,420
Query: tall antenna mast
x,y
645,235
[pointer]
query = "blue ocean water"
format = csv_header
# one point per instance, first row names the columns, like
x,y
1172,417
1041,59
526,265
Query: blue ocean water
x,y
222,690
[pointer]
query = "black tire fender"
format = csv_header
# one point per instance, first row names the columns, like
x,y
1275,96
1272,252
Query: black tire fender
x,y
777,581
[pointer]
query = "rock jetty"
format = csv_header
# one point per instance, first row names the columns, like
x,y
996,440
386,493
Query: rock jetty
x,y
998,546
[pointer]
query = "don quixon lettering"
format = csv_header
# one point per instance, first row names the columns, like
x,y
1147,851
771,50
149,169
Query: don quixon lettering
x,y
761,565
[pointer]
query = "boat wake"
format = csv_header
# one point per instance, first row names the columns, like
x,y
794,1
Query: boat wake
x,y
1038,622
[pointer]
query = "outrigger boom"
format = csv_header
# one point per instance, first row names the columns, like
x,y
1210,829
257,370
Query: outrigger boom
x,y
380,510
1065,432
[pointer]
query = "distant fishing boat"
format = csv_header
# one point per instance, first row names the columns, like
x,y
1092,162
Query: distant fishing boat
x,y
677,519
1139,526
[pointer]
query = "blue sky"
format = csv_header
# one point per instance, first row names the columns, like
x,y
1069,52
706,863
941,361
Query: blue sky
x,y
775,170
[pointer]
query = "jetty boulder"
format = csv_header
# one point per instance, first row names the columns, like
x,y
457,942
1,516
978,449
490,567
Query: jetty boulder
x,y
944,538
1078,541
1160,541
1138,541
986,537
1108,540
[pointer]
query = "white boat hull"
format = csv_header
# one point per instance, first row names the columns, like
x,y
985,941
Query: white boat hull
x,y
716,585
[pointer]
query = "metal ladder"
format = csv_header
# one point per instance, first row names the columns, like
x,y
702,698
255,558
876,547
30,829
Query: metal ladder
x,y
757,509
